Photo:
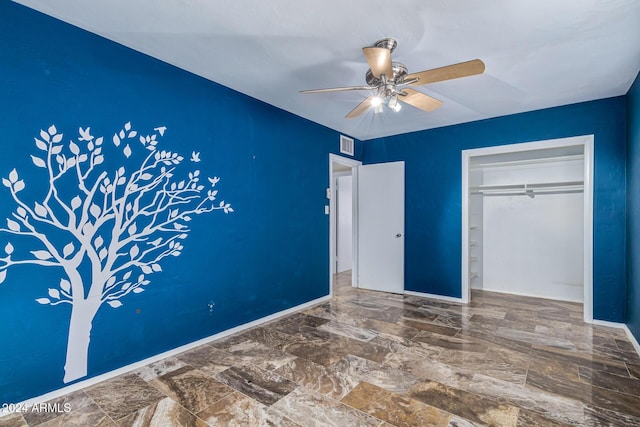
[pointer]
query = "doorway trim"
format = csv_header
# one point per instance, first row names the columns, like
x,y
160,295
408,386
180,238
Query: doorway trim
x,y
353,164
587,142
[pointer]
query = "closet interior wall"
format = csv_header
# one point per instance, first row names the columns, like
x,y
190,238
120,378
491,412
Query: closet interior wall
x,y
526,227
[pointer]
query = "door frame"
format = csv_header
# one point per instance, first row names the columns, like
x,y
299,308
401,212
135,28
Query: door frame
x,y
587,142
353,164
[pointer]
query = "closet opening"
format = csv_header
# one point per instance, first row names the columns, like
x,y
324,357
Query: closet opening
x,y
528,220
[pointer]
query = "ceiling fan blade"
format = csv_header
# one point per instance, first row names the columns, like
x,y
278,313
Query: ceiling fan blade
x,y
360,108
419,99
379,59
338,89
463,69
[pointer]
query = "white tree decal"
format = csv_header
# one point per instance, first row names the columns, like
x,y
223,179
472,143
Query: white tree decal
x,y
112,234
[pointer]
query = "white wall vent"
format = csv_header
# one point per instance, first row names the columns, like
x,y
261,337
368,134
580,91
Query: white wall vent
x,y
346,145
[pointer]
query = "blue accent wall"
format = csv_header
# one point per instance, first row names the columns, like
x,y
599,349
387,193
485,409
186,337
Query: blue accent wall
x,y
269,255
433,192
633,208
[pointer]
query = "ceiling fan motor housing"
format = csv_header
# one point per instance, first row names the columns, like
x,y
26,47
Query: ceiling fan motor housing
x,y
399,72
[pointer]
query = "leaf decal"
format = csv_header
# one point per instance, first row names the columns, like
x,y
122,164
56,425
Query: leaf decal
x,y
126,275
134,251
65,285
18,186
87,228
74,148
52,130
3,275
43,301
138,290
98,242
13,226
114,304
57,138
41,210
76,202
127,151
54,293
132,229
41,145
116,140
103,254
44,135
38,162
146,269
42,255
68,250
21,211
9,248
13,176
95,210
156,267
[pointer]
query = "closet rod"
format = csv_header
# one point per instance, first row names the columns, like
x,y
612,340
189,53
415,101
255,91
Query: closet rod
x,y
529,193
529,189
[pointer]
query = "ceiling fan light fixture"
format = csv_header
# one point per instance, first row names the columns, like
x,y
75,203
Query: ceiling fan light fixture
x,y
393,103
376,101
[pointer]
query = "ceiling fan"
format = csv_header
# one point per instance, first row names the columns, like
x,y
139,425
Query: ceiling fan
x,y
390,80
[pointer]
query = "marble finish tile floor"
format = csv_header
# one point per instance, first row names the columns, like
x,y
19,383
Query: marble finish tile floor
x,y
367,358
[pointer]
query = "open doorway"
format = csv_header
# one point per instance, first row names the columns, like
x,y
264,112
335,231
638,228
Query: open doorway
x,y
527,218
342,223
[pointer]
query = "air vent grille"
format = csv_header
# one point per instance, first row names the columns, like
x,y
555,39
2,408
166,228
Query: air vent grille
x,y
346,145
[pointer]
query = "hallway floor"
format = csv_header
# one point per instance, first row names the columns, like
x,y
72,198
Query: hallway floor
x,y
372,359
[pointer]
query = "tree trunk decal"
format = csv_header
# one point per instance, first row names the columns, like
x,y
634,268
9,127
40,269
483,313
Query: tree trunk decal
x,y
80,324
122,223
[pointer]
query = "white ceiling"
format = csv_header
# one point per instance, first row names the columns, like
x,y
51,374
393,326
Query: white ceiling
x,y
538,54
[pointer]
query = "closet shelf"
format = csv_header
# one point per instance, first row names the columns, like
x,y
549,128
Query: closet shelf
x,y
530,190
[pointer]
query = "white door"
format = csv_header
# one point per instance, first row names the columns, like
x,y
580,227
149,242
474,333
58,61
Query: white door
x,y
380,214
344,216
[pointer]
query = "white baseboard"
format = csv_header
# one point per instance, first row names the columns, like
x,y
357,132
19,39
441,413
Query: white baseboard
x,y
623,326
434,296
633,339
108,375
525,294
606,323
